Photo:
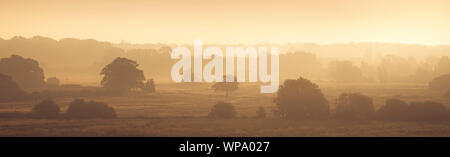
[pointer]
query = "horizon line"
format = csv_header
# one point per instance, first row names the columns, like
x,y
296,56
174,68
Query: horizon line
x,y
226,43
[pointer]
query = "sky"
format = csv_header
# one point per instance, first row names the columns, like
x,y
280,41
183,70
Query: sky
x,y
231,21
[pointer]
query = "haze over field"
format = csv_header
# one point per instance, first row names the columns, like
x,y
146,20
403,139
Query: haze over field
x,y
103,68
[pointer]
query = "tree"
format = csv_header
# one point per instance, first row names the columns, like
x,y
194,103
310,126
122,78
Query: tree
x,y
228,87
354,106
223,110
83,110
443,67
10,90
26,72
301,99
122,75
440,83
395,68
53,81
344,71
149,86
46,109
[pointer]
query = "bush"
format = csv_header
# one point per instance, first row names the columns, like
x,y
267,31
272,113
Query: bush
x,y
83,110
397,110
261,113
394,110
440,83
300,99
223,110
45,109
354,106
427,111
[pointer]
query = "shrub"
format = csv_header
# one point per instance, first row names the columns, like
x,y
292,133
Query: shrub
x,y
223,110
354,106
300,99
440,83
83,110
261,113
427,111
395,110
45,109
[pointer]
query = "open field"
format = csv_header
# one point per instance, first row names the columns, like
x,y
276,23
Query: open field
x,y
181,110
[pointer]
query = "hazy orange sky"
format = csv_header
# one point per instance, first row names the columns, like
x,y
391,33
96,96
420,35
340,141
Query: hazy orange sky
x,y
232,21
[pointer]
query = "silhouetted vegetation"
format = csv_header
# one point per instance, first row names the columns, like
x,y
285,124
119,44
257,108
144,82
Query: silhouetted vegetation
x,y
443,66
10,90
394,110
26,72
398,110
344,71
80,109
122,75
427,111
150,86
228,87
440,83
53,82
14,115
354,106
300,99
261,112
223,110
45,109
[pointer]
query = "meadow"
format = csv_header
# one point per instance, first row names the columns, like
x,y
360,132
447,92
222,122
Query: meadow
x,y
182,109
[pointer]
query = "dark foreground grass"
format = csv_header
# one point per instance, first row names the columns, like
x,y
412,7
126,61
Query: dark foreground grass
x,y
195,127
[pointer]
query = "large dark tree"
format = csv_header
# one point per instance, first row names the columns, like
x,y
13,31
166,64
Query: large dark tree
x,y
26,72
122,75
301,99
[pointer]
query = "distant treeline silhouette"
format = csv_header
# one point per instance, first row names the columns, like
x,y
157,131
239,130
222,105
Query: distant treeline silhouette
x,y
78,109
84,58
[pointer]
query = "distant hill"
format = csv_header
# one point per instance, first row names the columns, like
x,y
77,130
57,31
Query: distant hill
x,y
74,60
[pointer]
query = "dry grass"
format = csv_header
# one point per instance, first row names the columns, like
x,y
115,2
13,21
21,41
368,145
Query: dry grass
x,y
179,110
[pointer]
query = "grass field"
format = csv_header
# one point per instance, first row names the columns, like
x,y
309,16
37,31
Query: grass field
x,y
181,110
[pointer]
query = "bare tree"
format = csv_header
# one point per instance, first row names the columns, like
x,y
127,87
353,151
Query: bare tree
x,y
228,87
